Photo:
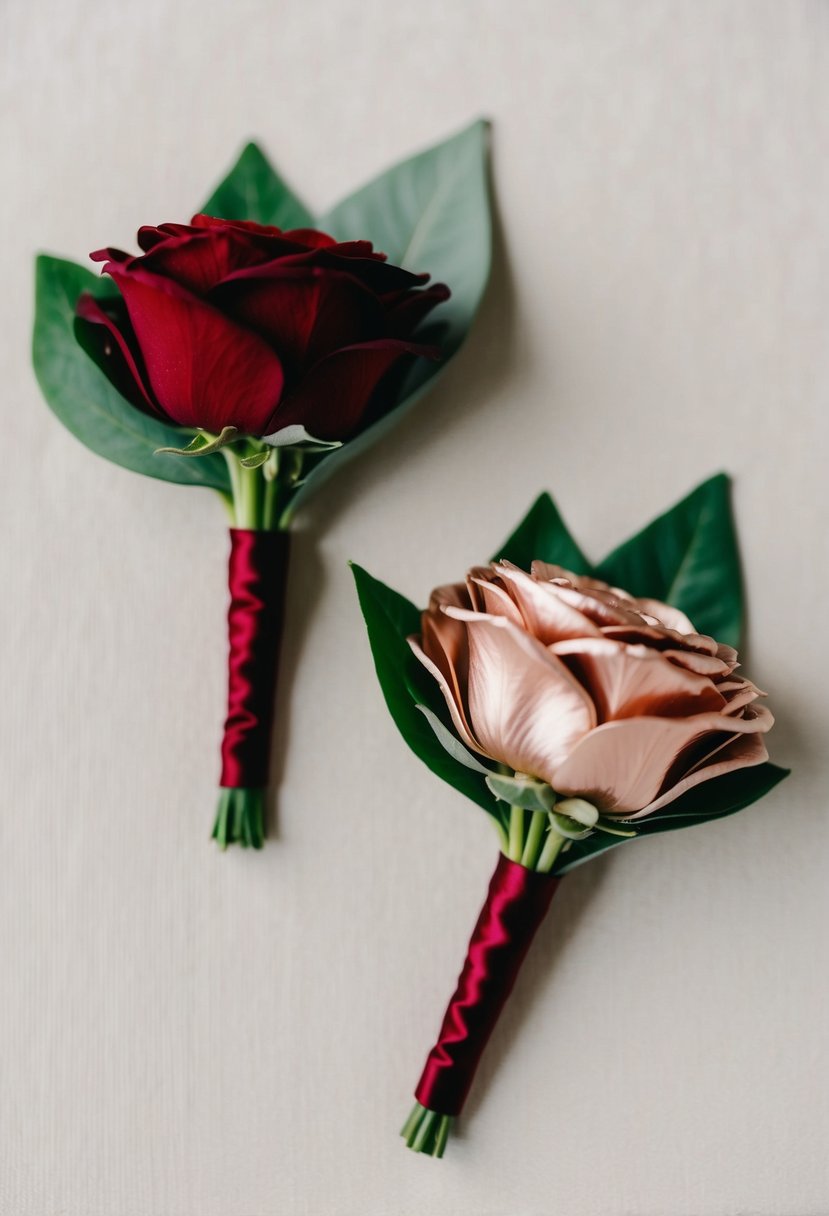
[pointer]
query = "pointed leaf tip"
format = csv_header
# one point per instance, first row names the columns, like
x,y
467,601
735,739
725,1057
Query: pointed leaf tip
x,y
688,557
253,190
429,213
543,535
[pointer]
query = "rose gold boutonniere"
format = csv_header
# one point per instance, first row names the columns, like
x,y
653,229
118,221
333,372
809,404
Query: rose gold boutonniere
x,y
582,708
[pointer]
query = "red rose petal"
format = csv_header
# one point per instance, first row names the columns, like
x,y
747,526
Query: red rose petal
x,y
411,307
114,354
303,312
204,369
334,397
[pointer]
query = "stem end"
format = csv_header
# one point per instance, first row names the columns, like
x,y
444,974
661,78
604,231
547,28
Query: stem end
x,y
240,818
425,1131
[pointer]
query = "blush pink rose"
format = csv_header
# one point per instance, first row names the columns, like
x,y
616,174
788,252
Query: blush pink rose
x,y
601,695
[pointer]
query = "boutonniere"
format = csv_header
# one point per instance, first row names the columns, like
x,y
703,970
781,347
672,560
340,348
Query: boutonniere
x,y
254,349
582,707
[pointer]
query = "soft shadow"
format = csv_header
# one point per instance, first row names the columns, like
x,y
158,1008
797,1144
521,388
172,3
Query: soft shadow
x,y
560,928
474,378
306,581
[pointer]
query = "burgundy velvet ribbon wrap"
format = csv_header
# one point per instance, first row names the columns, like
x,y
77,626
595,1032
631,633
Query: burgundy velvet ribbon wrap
x,y
257,575
516,904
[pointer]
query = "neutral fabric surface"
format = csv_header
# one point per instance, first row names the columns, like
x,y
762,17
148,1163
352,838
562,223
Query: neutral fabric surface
x,y
188,1034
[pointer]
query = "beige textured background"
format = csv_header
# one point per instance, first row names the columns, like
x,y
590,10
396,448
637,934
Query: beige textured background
x,y
184,1034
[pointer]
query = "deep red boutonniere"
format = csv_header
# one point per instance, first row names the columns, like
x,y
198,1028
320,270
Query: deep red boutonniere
x,y
251,351
579,715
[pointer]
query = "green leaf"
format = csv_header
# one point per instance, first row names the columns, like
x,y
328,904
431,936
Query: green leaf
x,y
86,402
543,536
714,799
525,792
428,213
688,557
711,800
253,190
390,619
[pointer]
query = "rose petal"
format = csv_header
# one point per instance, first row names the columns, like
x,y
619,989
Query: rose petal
x,y
456,594
621,766
113,351
205,371
602,608
311,238
703,664
199,259
525,708
741,751
666,614
738,692
410,308
338,394
371,269
546,614
487,596
303,312
634,681
200,220
442,651
664,638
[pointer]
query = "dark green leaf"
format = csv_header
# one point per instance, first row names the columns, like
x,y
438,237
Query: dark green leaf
x,y
253,190
543,536
84,400
428,213
711,800
688,557
390,619
714,799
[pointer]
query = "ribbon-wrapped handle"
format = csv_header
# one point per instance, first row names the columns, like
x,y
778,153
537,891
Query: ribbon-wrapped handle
x,y
516,904
257,576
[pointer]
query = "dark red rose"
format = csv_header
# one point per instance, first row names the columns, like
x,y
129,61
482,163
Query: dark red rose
x,y
225,323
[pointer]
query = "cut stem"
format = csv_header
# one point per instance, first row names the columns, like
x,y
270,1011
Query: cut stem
x,y
516,833
261,495
535,835
425,1131
240,818
553,845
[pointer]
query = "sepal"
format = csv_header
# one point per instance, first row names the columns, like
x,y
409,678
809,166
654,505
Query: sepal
x,y
452,744
569,828
203,444
521,791
296,436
